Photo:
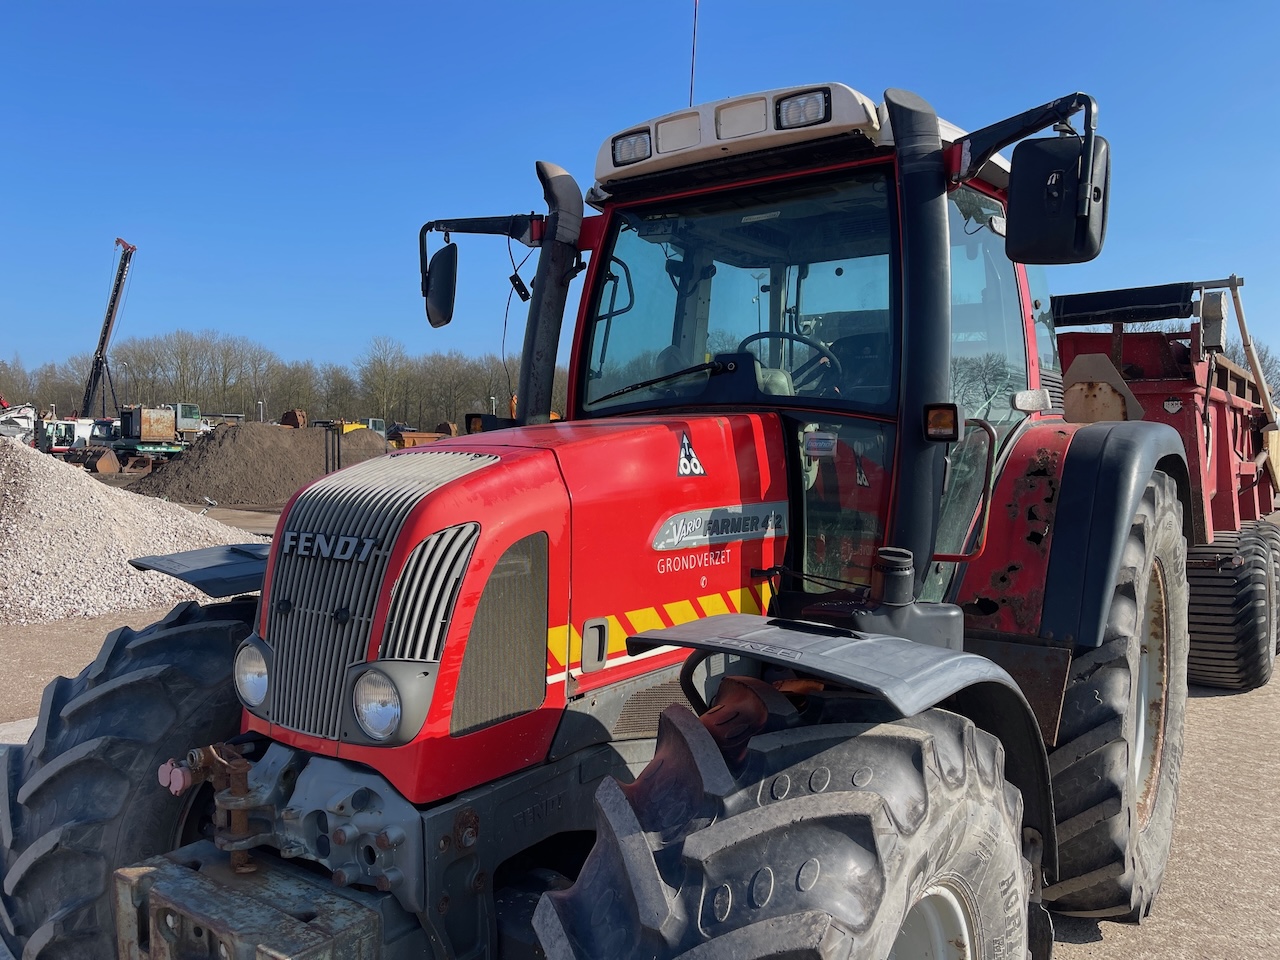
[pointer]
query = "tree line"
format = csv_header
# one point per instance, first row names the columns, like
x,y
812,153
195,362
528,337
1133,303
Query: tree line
x,y
231,375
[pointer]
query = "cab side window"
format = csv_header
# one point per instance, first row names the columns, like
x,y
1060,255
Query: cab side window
x,y
988,341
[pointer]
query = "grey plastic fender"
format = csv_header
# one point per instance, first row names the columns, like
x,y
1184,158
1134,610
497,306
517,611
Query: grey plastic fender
x,y
911,677
1103,478
217,571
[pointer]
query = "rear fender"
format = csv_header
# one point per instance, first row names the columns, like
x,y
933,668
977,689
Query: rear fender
x,y
1103,478
910,677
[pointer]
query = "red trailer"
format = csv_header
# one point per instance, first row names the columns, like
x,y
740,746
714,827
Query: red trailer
x,y
1226,419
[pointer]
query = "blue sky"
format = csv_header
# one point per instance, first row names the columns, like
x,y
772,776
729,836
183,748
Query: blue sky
x,y
273,161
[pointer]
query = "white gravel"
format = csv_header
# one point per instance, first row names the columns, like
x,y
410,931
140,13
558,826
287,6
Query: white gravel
x,y
66,539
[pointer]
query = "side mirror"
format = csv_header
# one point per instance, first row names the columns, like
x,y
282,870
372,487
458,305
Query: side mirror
x,y
440,284
1058,200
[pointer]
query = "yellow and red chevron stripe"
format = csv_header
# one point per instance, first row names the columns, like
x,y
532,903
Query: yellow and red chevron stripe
x,y
564,642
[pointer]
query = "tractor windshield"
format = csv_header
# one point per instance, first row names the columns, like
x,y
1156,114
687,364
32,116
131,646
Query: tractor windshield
x,y
778,294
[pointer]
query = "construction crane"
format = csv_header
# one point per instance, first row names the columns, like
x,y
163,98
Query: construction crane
x,y
100,355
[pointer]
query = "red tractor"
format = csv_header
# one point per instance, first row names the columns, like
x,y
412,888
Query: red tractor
x,y
814,630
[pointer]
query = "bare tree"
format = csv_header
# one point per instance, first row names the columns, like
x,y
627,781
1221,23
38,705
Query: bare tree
x,y
186,359
980,383
15,383
383,372
295,385
255,381
560,391
339,393
453,385
1267,360
226,368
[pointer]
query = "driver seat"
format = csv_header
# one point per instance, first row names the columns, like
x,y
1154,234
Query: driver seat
x,y
774,382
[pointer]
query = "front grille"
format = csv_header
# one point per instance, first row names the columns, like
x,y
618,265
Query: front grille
x,y
322,607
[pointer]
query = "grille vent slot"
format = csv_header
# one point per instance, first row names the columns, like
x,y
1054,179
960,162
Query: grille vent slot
x,y
322,607
1051,380
423,598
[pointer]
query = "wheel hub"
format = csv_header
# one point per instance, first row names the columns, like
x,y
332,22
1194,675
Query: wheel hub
x,y
937,927
1152,685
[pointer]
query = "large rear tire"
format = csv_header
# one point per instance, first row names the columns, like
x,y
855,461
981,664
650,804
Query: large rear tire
x,y
81,798
1271,534
1115,771
864,841
1233,610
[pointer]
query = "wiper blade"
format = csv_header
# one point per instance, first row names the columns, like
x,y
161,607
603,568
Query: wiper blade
x,y
711,366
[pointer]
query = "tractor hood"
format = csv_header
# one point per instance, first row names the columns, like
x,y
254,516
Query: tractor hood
x,y
498,575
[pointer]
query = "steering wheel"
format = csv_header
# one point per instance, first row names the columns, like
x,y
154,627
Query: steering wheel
x,y
805,371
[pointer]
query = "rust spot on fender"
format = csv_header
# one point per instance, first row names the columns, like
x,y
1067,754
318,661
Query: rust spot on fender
x,y
1043,464
1008,593
1033,495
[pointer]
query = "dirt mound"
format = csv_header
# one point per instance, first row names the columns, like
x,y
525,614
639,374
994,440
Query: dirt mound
x,y
66,540
256,463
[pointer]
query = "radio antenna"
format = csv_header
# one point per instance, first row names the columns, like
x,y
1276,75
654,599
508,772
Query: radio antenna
x,y
693,56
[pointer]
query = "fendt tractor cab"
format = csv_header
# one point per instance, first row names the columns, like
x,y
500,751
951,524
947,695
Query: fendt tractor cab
x,y
813,630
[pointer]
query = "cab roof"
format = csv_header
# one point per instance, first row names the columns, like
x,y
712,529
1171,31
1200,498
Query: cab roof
x,y
753,123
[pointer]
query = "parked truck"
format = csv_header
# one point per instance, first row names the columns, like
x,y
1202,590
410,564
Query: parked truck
x,y
814,629
159,432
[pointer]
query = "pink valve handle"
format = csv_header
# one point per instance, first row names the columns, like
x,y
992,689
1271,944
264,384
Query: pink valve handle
x,y
175,777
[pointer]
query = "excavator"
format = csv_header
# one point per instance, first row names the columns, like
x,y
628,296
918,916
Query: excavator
x,y
99,365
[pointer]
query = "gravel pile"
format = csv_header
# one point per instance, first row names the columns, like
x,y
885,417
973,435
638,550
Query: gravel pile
x,y
66,539
252,463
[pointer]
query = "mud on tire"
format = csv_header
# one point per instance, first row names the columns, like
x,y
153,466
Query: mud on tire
x,y
1115,771
81,798
825,842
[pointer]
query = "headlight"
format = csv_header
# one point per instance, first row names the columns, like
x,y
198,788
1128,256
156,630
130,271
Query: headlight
x,y
377,704
251,675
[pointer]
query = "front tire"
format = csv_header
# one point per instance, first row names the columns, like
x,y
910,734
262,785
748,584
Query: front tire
x,y
1115,771
81,798
853,840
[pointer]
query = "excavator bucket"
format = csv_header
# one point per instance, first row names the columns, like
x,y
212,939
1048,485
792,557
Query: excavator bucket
x,y
136,464
102,460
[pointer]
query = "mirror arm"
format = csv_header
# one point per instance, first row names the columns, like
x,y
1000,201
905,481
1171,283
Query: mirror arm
x,y
527,228
978,147
523,227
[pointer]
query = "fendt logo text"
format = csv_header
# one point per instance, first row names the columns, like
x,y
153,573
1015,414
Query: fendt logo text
x,y
310,544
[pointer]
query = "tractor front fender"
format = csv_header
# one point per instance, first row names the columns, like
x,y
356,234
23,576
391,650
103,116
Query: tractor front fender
x,y
223,571
1105,472
911,677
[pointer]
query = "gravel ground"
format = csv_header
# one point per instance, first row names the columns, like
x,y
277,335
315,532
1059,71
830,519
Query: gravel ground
x,y
35,653
1223,882
66,539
